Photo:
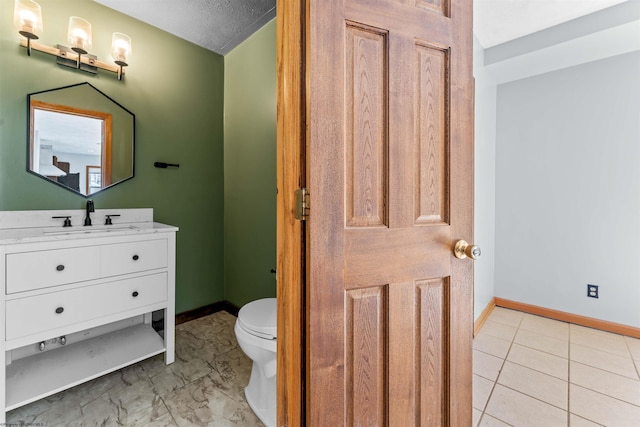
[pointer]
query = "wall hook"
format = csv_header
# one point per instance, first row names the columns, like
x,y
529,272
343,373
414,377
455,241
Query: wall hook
x,y
164,165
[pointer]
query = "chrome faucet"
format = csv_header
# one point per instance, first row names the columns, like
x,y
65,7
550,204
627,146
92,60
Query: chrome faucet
x,y
90,208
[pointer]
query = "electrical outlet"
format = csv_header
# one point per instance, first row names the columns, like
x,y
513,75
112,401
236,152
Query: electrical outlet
x,y
592,291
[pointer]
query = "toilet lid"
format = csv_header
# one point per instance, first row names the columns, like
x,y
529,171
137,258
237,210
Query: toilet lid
x,y
259,318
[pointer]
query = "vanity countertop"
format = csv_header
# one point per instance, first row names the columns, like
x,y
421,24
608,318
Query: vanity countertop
x,y
48,234
40,226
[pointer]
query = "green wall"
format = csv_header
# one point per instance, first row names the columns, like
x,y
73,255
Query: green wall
x,y
250,168
175,89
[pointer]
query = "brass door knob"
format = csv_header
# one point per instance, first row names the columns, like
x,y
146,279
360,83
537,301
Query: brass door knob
x,y
463,250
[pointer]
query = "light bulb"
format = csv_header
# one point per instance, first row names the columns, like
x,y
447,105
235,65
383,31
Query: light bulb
x,y
28,18
121,48
79,34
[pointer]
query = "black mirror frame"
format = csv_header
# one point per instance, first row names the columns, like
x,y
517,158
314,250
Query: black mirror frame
x,y
133,139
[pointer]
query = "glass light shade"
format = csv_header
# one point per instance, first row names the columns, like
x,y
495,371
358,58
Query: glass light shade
x,y
79,34
27,17
121,48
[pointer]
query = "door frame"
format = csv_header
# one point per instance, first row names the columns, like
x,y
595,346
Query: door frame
x,y
291,131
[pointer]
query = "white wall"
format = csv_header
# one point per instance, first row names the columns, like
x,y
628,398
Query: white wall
x,y
485,153
555,127
568,189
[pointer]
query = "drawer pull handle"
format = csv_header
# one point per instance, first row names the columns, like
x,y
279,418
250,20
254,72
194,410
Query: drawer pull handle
x,y
60,267
59,310
136,257
134,294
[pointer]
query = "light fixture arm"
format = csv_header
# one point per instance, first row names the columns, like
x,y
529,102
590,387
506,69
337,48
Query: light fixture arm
x,y
78,60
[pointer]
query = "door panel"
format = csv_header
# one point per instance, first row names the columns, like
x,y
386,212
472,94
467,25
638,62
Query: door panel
x,y
366,126
366,364
389,169
432,142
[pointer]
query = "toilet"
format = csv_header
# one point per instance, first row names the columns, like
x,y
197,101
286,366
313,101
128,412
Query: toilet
x,y
255,330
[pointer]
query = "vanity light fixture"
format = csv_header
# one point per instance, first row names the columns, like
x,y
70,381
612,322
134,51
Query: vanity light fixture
x,y
120,50
27,17
79,35
28,21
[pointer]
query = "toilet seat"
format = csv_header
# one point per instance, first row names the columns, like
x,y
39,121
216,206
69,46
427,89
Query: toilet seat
x,y
259,318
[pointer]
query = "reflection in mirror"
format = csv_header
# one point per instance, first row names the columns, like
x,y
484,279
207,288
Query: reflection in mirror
x,y
80,138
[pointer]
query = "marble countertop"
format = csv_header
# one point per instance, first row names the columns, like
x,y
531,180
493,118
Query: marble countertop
x,y
48,234
47,225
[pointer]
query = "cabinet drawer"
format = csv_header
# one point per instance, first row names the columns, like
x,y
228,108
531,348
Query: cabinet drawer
x,y
31,315
124,258
41,269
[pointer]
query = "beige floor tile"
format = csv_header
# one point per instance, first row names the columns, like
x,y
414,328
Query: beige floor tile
x,y
609,362
548,327
543,343
602,409
499,330
489,421
576,421
476,417
573,327
481,390
605,382
486,365
611,343
520,410
506,316
491,345
535,384
540,361
634,347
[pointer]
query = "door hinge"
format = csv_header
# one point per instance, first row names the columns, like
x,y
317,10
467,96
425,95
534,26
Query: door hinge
x,y
302,204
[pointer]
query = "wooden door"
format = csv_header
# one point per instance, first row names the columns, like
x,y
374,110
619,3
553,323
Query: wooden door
x,y
390,175
375,104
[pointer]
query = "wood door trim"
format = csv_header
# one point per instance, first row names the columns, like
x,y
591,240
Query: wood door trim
x,y
482,319
576,319
107,133
290,154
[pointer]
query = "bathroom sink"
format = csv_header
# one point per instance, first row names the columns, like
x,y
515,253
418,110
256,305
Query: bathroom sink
x,y
86,230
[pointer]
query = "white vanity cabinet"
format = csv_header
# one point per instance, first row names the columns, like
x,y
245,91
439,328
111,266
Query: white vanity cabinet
x,y
78,301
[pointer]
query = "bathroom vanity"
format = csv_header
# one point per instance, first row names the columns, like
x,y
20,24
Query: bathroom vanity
x,y
77,301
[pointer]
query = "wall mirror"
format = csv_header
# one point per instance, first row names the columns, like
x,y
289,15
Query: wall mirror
x,y
80,138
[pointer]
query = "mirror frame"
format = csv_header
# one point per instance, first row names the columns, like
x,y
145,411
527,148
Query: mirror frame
x,y
86,113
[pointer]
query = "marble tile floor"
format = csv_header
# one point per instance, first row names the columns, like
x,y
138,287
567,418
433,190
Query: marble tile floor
x,y
203,387
537,372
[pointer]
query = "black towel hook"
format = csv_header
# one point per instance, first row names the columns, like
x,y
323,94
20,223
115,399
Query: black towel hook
x,y
164,165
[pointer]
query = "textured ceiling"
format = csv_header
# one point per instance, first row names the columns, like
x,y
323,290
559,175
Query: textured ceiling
x,y
220,25
217,25
499,21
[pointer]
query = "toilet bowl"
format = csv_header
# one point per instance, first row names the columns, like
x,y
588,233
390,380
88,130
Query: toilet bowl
x,y
255,330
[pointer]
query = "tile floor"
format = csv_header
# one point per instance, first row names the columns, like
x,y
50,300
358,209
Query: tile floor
x,y
204,387
528,371
538,372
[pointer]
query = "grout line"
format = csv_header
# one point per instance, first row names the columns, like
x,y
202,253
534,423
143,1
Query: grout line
x,y
499,372
635,363
168,410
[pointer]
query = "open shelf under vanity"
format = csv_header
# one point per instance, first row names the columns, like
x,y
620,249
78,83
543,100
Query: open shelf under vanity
x,y
42,375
